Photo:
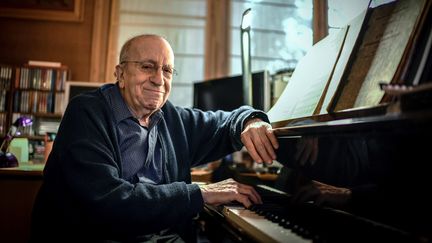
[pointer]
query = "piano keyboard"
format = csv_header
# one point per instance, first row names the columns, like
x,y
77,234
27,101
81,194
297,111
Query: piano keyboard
x,y
260,223
278,220
258,227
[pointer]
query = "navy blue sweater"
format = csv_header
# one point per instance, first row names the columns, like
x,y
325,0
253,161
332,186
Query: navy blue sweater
x,y
83,192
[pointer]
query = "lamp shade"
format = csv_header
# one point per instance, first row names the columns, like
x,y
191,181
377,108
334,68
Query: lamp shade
x,y
22,121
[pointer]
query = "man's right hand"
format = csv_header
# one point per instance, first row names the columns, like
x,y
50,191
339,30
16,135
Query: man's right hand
x,y
228,191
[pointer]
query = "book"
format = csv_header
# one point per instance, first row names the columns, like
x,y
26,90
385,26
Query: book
x,y
306,87
44,64
356,27
382,55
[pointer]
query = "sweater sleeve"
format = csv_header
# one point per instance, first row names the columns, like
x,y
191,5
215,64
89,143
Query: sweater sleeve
x,y
84,170
213,135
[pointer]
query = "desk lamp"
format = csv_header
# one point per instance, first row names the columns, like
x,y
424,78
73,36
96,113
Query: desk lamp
x,y
7,159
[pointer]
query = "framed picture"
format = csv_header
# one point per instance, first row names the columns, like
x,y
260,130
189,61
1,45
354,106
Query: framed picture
x,y
59,10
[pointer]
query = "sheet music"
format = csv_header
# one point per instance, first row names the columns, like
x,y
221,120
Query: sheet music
x,y
390,29
355,26
396,35
306,86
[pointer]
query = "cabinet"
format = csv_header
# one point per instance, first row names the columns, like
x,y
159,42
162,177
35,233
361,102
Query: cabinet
x,y
18,187
36,92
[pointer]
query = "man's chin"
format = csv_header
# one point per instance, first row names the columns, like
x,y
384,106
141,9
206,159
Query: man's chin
x,y
154,106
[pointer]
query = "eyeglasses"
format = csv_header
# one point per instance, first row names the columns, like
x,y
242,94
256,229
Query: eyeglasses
x,y
152,69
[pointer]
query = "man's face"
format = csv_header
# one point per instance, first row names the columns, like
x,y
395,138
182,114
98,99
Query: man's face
x,y
145,75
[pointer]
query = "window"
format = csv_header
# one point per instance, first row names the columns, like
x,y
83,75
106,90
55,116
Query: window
x,y
281,33
182,23
340,12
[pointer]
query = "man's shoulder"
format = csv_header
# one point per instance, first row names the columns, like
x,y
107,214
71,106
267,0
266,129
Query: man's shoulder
x,y
84,96
91,100
173,113
169,108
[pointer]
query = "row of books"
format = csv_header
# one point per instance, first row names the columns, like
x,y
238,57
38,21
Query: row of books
x,y
33,77
3,103
3,125
41,78
5,77
38,102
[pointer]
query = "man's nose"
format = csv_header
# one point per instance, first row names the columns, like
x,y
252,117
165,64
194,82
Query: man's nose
x,y
158,76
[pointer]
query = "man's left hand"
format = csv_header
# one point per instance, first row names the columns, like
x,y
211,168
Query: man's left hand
x,y
259,140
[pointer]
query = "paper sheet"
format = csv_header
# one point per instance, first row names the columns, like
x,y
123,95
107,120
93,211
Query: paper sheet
x,y
306,86
355,26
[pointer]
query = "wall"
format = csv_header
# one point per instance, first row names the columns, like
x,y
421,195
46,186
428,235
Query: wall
x,y
79,45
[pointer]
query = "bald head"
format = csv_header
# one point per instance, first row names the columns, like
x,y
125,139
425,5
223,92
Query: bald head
x,y
128,45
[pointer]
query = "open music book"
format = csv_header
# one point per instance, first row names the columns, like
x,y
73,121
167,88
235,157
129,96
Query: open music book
x,y
317,75
343,70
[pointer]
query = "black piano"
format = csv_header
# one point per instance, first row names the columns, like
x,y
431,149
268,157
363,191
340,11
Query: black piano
x,y
383,158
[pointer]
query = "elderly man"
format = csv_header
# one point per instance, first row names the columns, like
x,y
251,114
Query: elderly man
x,y
120,165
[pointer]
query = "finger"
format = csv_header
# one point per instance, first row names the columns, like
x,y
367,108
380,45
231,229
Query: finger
x,y
274,141
271,142
247,141
254,193
243,199
249,190
257,195
260,147
265,134
244,189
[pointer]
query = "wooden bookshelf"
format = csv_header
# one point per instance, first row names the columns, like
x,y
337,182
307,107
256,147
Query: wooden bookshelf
x,y
36,92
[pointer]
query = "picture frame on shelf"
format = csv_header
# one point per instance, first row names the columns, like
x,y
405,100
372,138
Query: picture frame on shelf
x,y
57,10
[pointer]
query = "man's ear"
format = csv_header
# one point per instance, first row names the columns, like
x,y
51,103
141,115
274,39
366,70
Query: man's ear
x,y
119,75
